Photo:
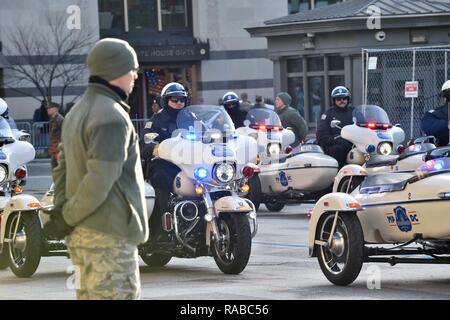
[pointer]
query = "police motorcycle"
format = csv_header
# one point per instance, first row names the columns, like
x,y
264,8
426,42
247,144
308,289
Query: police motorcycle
x,y
285,174
377,147
206,217
20,228
391,217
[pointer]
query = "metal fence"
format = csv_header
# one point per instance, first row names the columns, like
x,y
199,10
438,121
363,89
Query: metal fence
x,y
40,132
386,73
40,135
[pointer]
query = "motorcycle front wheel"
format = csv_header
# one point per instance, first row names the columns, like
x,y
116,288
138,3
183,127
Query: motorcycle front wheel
x,y
232,252
341,262
25,249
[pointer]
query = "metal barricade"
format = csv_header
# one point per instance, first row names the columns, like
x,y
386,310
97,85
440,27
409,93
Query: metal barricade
x,y
40,135
40,132
24,125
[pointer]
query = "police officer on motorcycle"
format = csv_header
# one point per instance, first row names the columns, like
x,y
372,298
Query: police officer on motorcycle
x,y
327,137
161,173
230,101
436,122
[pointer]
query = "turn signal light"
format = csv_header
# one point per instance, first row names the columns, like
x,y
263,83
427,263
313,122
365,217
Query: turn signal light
x,y
34,205
18,189
354,205
245,188
199,190
400,149
20,174
248,171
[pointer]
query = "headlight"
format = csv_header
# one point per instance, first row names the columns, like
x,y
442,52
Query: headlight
x,y
224,172
3,173
384,148
274,149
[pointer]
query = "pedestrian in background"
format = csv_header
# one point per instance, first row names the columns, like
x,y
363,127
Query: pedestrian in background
x,y
99,186
56,122
245,104
259,102
290,117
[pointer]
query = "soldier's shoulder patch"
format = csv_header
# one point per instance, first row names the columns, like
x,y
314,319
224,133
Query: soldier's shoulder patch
x,y
324,116
148,125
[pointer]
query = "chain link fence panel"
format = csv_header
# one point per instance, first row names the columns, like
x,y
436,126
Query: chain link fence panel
x,y
387,71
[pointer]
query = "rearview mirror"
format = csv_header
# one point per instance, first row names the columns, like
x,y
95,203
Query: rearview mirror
x,y
335,124
150,137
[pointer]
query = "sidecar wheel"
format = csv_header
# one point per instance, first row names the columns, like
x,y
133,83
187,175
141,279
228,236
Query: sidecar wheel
x,y
274,206
155,259
25,252
232,253
348,186
255,191
341,263
4,261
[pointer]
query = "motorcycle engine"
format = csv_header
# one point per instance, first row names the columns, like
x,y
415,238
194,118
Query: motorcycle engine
x,y
188,219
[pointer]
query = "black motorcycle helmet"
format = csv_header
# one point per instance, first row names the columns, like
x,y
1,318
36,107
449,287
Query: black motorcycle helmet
x,y
173,89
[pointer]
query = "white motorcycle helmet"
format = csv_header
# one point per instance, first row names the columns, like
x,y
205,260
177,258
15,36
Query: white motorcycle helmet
x,y
4,109
445,91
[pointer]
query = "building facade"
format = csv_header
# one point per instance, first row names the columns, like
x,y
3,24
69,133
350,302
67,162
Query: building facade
x,y
201,43
314,51
31,35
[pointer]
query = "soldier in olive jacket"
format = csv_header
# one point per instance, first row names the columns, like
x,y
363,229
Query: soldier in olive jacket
x,y
99,185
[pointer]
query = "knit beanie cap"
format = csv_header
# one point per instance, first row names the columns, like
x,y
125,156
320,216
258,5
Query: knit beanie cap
x,y
111,58
285,97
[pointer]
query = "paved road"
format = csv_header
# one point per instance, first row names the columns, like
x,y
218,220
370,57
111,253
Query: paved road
x,y
279,268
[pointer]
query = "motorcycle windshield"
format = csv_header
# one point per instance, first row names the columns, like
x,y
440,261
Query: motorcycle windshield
x,y
5,129
371,116
435,166
198,121
260,118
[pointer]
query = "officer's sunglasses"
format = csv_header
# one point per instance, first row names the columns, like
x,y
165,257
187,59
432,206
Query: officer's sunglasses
x,y
175,100
341,99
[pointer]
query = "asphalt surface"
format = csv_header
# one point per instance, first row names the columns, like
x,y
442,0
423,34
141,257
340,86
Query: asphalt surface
x,y
279,268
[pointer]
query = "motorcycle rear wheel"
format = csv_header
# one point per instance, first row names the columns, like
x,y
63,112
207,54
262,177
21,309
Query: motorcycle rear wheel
x,y
155,259
274,206
4,261
254,194
232,254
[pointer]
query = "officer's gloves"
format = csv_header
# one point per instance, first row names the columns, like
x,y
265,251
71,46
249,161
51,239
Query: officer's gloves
x,y
57,227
